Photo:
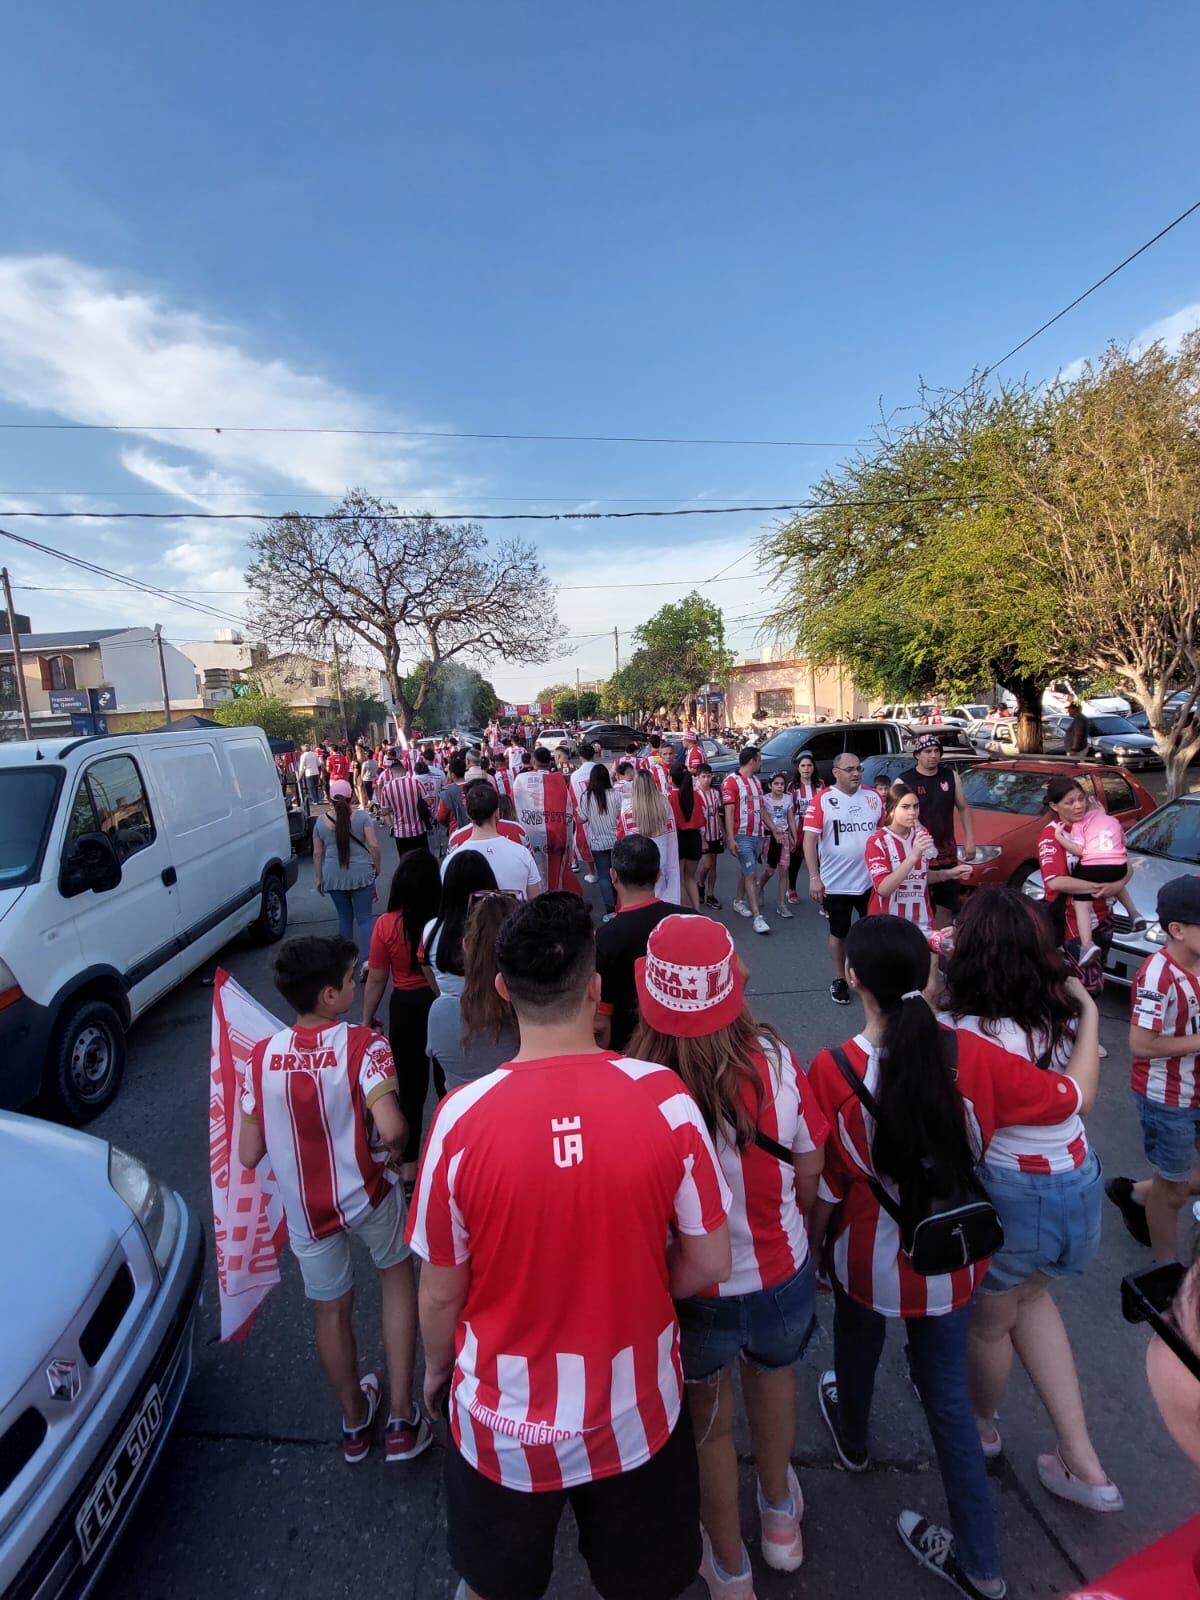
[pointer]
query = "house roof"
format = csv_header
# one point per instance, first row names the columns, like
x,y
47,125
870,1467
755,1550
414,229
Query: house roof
x,y
78,639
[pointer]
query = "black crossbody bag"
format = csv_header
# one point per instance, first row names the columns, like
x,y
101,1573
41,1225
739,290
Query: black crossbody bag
x,y
941,1228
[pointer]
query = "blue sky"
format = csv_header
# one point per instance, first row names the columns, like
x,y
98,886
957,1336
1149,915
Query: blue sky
x,y
698,219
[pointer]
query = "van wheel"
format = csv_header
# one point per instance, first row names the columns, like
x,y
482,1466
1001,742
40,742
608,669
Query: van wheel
x,y
271,923
87,1060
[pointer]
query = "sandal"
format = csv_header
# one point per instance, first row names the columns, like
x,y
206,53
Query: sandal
x,y
1058,1478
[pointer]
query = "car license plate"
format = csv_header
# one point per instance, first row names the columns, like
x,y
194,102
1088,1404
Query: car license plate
x,y
120,1474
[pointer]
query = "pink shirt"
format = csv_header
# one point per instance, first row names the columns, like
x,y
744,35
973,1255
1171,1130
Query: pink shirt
x,y
1102,838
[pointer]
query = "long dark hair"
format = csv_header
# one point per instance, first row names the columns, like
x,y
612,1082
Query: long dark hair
x,y
921,1116
415,892
1005,966
341,829
719,1070
466,872
481,1008
599,786
682,779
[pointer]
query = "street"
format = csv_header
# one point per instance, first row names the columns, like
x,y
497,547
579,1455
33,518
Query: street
x,y
253,1498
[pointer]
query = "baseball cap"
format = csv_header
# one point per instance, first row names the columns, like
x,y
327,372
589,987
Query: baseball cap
x,y
1179,900
689,982
927,741
690,737
339,789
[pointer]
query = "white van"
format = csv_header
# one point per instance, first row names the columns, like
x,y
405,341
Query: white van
x,y
125,863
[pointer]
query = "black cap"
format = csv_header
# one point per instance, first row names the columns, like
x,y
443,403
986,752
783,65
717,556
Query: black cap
x,y
1179,900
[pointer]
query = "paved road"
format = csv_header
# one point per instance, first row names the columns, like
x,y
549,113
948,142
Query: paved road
x,y
253,1498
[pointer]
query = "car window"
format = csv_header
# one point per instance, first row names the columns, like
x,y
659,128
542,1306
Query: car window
x,y
1118,796
112,799
25,819
1021,793
869,741
782,746
823,746
1173,831
1109,725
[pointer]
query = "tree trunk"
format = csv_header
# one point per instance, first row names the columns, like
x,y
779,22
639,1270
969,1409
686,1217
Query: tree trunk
x,y
1028,694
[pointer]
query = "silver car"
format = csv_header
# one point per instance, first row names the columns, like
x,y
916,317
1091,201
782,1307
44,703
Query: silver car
x,y
1162,846
101,1268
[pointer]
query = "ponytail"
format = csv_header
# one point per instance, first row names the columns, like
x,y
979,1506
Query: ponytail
x,y
341,830
682,779
921,1117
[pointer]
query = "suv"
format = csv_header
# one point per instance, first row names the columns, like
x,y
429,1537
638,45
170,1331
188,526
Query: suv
x,y
609,735
825,741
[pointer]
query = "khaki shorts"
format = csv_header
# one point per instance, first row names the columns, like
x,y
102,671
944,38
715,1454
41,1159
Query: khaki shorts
x,y
325,1264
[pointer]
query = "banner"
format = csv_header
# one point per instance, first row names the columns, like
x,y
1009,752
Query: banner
x,y
248,1220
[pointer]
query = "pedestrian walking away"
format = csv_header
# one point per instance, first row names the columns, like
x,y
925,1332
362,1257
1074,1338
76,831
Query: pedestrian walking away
x,y
346,862
647,812
745,825
472,1033
688,812
599,812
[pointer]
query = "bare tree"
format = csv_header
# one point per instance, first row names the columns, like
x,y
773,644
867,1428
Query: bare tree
x,y
403,584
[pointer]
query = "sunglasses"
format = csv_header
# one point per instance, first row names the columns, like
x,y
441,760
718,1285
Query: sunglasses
x,y
491,894
1146,1296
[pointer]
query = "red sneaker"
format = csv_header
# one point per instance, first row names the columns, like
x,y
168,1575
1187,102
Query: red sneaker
x,y
405,1438
356,1442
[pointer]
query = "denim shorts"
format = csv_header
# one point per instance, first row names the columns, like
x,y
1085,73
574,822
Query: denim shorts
x,y
1051,1222
1169,1137
748,851
769,1328
326,1265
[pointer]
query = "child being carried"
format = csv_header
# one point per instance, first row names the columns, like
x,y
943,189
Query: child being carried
x,y
1098,839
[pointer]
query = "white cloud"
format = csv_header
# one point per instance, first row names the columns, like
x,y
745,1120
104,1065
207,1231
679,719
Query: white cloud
x,y
1169,330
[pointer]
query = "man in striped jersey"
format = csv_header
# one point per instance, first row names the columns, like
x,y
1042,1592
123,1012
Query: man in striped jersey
x,y
559,1366
1166,1071
398,795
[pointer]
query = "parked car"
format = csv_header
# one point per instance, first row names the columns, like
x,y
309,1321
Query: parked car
x,y
1058,697
610,735
101,1281
922,711
721,757
1008,800
1163,846
551,738
891,766
1000,738
956,742
1114,739
125,863
825,741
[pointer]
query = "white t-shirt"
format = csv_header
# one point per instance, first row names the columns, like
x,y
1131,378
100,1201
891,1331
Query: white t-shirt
x,y
843,824
310,764
512,864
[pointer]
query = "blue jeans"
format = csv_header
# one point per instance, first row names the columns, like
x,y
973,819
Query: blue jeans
x,y
768,1328
354,906
938,1356
603,861
312,786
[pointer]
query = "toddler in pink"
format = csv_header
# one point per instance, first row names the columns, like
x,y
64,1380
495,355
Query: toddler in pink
x,y
1098,839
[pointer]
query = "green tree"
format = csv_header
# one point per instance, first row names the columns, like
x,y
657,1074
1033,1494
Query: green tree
x,y
457,696
912,572
566,706
678,649
589,705
266,711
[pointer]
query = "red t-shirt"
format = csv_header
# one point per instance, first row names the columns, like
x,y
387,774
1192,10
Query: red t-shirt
x,y
338,765
1169,1569
997,1089
390,953
559,1182
696,820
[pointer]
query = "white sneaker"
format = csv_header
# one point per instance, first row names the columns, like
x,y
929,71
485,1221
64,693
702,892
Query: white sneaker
x,y
608,916
761,925
723,1586
782,911
742,909
1086,955
589,877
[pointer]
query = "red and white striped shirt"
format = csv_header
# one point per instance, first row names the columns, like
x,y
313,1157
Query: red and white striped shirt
x,y
310,1091
554,1390
501,780
505,828
885,852
745,795
397,793
657,771
710,799
869,1262
1166,1000
766,1228
1060,1147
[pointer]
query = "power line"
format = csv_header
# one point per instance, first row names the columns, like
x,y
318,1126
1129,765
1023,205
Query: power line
x,y
420,433
314,494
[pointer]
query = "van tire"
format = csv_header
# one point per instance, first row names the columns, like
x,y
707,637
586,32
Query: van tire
x,y
271,923
86,1061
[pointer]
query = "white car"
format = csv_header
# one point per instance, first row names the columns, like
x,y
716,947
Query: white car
x,y
551,738
101,1281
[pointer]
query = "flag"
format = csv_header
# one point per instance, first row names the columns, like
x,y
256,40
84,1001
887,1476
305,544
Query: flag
x,y
248,1221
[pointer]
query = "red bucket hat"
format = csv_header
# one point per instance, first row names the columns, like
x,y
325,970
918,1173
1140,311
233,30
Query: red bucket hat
x,y
689,982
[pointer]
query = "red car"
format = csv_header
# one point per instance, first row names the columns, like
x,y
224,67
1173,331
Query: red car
x,y
1008,801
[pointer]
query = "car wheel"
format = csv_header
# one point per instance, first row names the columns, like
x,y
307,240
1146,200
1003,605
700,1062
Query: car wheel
x,y
86,1061
1028,879
271,923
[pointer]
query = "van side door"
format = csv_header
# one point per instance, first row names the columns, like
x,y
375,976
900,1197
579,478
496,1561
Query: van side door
x,y
134,925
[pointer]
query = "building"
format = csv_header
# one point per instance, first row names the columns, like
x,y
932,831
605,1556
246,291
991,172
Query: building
x,y
309,685
222,662
787,691
60,668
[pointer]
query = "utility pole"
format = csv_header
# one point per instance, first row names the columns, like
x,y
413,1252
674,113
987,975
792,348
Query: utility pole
x,y
162,673
337,672
22,691
578,713
617,650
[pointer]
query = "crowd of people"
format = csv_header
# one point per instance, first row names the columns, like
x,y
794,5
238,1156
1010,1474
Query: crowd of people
x,y
632,1192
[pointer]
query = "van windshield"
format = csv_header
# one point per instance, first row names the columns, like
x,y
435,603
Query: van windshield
x,y
27,800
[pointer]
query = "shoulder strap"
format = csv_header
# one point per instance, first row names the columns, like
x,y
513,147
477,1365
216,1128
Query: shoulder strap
x,y
871,1105
773,1147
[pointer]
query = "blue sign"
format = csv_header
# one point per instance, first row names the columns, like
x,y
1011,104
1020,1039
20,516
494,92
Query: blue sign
x,y
83,725
70,700
103,699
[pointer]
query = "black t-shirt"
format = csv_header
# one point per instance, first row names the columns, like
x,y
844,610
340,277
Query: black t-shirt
x,y
619,944
936,799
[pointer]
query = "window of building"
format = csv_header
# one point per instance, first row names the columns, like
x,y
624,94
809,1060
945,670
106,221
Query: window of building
x,y
9,693
774,702
58,672
317,680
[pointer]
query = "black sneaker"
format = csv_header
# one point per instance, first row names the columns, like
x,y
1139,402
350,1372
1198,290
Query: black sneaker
x,y
839,992
1120,1192
711,900
827,1398
934,1549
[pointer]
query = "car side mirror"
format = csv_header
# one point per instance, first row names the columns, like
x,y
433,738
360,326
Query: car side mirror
x,y
92,864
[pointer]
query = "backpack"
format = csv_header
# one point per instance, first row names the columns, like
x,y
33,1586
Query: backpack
x,y
943,1227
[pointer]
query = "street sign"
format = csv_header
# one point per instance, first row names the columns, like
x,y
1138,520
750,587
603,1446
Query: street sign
x,y
85,724
103,699
69,700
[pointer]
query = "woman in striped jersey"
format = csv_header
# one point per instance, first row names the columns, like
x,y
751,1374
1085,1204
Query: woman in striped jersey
x,y
1007,983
